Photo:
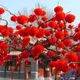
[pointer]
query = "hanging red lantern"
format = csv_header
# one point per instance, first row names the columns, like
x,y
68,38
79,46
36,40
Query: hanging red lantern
x,y
2,10
22,19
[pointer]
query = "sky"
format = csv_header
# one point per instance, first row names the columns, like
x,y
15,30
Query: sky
x,y
16,5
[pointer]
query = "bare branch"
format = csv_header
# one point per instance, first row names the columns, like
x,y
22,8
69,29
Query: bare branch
x,y
7,10
5,21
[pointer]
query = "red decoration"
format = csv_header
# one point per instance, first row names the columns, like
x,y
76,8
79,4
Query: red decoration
x,y
70,26
18,64
60,16
61,45
32,18
61,65
50,54
39,12
61,25
67,42
33,31
44,18
42,38
18,27
58,9
7,57
25,54
37,50
2,10
53,40
66,33
25,41
18,58
77,48
41,33
3,46
76,37
69,18
26,61
48,32
13,18
22,19
52,24
72,56
59,35
63,52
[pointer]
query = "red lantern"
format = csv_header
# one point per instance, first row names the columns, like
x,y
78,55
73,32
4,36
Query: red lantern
x,y
71,56
69,18
61,45
39,12
18,58
33,31
26,61
60,16
50,54
59,35
58,9
44,18
41,33
32,18
37,50
18,64
22,19
77,48
47,33
18,27
25,54
25,41
13,18
2,10
76,37
53,40
3,46
52,24
61,65
67,42
8,57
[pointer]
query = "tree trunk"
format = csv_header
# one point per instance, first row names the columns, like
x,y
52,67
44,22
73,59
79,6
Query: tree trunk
x,y
56,77
47,74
